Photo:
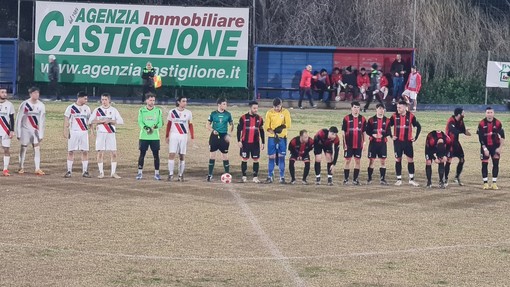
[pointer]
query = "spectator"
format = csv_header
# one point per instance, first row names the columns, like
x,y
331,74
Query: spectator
x,y
53,75
337,81
413,87
323,85
363,82
383,85
351,84
398,71
148,80
305,86
375,77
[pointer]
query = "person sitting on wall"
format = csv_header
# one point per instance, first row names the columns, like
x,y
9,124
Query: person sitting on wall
x,y
351,84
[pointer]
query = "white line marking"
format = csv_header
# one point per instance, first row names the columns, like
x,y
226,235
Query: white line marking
x,y
262,258
266,240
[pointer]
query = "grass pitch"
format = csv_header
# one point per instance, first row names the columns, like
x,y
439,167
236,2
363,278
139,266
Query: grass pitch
x,y
91,232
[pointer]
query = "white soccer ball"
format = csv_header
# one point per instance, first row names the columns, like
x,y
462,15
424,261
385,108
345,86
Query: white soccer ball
x,y
337,98
226,178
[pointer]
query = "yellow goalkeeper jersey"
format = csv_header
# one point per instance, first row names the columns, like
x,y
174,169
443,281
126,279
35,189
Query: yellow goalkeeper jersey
x,y
275,119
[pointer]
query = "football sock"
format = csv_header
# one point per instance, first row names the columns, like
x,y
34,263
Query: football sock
x,y
292,170
410,169
211,166
428,172
156,172
495,167
100,167
346,173
382,170
356,174
281,165
6,162
244,167
459,167
22,154
256,168
329,168
85,165
317,168
69,165
370,171
447,169
485,171
171,165
441,169
306,171
114,167
226,166
270,167
37,157
182,166
398,169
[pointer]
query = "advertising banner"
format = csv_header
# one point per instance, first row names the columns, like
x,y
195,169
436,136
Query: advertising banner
x,y
111,43
497,74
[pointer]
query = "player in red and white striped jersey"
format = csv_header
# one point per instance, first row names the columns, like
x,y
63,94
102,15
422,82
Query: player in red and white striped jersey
x,y
76,118
30,129
6,127
106,118
177,130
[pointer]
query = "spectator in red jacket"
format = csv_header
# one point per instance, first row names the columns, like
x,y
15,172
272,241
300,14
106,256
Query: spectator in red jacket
x,y
337,81
305,86
363,83
413,87
383,85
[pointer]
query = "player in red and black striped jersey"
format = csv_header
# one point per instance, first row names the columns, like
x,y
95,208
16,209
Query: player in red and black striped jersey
x,y
299,148
454,127
326,141
437,148
353,127
492,136
378,130
250,132
403,123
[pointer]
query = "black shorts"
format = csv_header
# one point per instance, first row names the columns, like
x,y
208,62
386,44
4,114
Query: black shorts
x,y
143,145
377,149
218,142
304,157
403,148
432,153
250,150
492,152
456,151
350,152
318,149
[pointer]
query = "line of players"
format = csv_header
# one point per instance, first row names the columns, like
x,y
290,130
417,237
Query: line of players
x,y
441,147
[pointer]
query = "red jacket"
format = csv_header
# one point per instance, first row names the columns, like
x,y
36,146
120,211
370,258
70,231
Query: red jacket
x,y
335,78
363,80
418,83
383,82
306,79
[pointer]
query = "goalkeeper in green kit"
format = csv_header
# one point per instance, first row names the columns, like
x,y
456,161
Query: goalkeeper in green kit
x,y
150,120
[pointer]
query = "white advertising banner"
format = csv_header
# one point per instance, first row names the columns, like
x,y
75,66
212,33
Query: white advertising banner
x,y
497,74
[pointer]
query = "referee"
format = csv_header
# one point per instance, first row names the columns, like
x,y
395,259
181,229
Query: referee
x,y
218,124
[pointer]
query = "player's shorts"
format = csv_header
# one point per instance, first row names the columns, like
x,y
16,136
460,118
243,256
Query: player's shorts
x,y
492,152
6,140
28,137
403,148
318,149
305,157
106,142
377,149
218,142
456,151
272,147
412,95
144,145
432,153
350,152
250,150
78,140
178,143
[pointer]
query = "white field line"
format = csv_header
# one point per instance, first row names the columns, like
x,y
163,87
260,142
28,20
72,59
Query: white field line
x,y
263,258
266,240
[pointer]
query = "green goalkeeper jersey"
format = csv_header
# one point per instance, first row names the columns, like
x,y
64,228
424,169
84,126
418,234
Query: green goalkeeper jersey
x,y
150,121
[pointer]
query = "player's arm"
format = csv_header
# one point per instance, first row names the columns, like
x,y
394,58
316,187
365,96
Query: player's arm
x,y
418,128
501,134
159,124
481,135
336,148
240,127
19,119
267,123
168,127
369,130
288,120
344,129
209,125
66,127
262,133
42,123
118,120
231,123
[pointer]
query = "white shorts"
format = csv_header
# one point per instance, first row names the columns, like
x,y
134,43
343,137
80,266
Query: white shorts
x,y
106,142
178,144
29,137
6,140
412,95
78,140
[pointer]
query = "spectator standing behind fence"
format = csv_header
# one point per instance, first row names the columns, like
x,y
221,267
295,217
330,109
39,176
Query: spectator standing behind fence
x,y
413,87
148,80
53,75
305,86
398,71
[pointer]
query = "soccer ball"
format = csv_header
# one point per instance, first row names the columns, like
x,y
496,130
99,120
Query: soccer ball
x,y
226,178
337,98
